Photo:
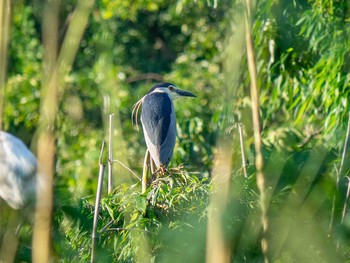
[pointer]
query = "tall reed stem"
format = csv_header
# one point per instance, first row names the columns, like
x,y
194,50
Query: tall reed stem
x,y
259,164
110,153
56,66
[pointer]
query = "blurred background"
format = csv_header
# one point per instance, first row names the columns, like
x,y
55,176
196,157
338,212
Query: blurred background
x,y
302,51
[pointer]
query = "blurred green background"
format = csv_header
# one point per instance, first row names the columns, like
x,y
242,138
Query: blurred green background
x,y
302,52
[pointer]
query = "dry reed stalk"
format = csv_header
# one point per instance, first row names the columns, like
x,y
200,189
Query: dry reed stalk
x,y
46,139
110,153
5,18
259,164
97,203
54,69
217,250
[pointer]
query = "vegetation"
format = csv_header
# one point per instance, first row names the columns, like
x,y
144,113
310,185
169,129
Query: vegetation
x,y
302,59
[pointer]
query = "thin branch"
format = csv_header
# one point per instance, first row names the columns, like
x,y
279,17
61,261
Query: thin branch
x,y
110,154
106,226
128,229
127,168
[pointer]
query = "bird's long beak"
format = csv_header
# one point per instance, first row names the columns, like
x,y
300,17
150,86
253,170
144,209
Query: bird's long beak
x,y
184,93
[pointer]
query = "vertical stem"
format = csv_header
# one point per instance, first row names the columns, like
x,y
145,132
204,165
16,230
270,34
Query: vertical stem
x,y
97,204
54,69
218,250
46,140
110,154
5,15
244,160
260,177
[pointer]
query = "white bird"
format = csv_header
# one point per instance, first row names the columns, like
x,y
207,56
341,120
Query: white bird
x,y
18,169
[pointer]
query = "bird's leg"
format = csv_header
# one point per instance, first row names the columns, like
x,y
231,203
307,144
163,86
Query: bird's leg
x,y
153,166
162,170
144,172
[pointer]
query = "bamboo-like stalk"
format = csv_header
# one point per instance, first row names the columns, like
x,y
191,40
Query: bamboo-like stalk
x,y
218,250
110,153
54,70
46,140
259,164
75,31
241,142
97,203
5,16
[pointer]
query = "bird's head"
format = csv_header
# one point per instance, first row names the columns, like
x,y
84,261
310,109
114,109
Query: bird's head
x,y
169,88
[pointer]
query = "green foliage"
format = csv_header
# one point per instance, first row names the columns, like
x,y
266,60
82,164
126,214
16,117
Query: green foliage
x,y
174,204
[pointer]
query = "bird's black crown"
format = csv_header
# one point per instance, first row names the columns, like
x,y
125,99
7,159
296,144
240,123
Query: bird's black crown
x,y
161,85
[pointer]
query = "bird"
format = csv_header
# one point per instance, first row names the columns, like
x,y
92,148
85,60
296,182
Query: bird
x,y
159,121
18,171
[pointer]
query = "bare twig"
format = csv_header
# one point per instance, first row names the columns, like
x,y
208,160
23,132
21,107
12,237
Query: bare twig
x,y
127,168
128,229
97,204
244,160
259,164
110,154
106,227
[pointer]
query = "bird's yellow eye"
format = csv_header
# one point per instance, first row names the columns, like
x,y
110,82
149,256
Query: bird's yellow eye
x,y
171,88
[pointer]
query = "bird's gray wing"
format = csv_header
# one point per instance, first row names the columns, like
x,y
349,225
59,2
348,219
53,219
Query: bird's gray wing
x,y
155,117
